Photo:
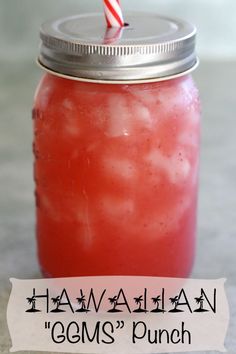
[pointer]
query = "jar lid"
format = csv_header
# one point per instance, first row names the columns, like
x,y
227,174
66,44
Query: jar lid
x,y
149,46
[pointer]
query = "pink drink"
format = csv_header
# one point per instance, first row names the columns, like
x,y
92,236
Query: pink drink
x,y
116,170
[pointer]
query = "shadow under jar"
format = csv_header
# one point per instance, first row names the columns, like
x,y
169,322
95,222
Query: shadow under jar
x,y
116,147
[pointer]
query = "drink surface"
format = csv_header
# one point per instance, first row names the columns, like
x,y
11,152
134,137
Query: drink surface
x,y
116,172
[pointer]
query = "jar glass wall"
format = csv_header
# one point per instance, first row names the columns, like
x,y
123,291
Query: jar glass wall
x,y
116,172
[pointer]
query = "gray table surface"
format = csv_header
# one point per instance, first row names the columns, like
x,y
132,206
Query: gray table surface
x,y
216,251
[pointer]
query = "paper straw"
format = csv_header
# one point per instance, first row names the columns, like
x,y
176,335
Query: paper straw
x,y
113,13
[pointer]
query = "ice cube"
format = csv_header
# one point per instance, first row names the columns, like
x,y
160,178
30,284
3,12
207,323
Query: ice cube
x,y
171,100
168,221
68,104
176,213
147,97
119,116
82,213
70,118
188,138
99,117
116,208
176,166
142,114
122,168
180,168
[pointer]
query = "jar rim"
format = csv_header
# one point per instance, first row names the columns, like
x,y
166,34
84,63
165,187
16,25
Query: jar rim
x,y
117,82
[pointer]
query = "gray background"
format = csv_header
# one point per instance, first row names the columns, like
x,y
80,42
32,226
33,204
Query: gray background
x,y
215,19
19,23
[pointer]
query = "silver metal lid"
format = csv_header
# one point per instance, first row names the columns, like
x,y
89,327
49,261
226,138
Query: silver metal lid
x,y
148,47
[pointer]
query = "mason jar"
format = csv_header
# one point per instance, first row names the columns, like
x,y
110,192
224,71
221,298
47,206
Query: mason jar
x,y
116,146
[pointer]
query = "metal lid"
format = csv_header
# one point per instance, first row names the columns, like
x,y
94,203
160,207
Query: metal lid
x,y
148,47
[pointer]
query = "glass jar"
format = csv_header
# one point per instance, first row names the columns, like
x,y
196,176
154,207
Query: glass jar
x,y
116,148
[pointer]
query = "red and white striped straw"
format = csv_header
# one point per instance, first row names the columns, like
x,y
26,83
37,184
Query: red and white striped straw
x,y
113,13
